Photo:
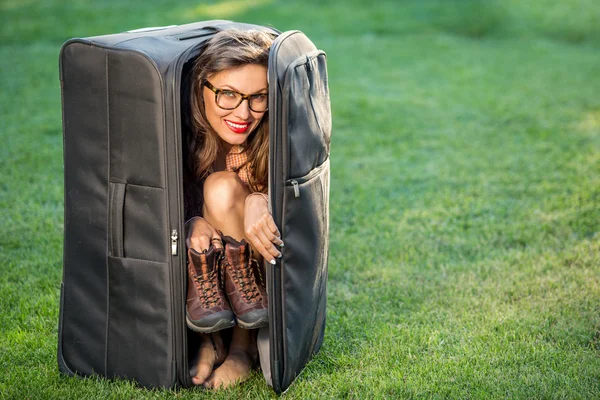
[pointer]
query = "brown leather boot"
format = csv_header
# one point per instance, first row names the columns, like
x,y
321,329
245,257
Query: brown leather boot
x,y
246,293
207,309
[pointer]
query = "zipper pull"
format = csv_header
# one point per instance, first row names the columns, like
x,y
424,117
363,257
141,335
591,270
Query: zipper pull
x,y
174,237
296,188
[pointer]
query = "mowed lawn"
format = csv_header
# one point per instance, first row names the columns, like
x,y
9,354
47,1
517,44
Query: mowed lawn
x,y
465,195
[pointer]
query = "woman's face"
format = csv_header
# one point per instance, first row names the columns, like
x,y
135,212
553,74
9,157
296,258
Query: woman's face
x,y
234,126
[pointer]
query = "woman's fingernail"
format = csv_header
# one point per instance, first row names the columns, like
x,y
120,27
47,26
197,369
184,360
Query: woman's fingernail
x,y
281,245
280,255
272,261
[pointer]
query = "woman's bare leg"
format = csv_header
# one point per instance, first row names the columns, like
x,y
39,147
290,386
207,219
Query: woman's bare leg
x,y
224,197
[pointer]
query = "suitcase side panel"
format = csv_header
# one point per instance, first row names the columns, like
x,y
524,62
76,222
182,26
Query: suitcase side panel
x,y
116,317
86,165
299,190
305,219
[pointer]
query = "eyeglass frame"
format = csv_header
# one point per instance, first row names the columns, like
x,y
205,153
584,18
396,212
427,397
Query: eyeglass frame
x,y
242,95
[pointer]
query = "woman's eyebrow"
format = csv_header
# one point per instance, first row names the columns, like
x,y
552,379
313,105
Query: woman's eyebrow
x,y
236,90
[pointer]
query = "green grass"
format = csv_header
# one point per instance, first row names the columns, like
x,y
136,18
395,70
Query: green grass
x,y
465,197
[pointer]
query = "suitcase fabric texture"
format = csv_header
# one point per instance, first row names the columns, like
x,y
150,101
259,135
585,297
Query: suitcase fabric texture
x,y
123,292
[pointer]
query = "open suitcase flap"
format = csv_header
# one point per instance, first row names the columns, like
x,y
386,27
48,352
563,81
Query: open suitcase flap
x,y
300,129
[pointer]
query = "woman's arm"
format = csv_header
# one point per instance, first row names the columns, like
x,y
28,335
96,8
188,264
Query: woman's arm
x,y
260,228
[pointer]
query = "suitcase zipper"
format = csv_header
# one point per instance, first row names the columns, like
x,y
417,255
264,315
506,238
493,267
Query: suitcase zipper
x,y
180,275
296,188
295,183
194,35
181,374
174,237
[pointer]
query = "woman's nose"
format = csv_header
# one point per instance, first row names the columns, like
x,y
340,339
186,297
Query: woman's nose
x,y
243,110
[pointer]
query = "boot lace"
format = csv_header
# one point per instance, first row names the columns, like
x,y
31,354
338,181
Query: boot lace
x,y
245,280
207,285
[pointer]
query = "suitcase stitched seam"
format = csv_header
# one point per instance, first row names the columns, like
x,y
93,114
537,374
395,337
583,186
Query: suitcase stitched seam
x,y
108,217
145,186
139,259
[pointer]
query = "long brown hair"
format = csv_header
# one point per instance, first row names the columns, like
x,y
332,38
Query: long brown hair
x,y
227,49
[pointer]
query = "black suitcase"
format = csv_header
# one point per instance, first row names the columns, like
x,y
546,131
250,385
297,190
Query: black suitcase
x,y
124,278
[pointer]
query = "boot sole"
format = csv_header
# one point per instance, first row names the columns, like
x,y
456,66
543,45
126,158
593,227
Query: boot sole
x,y
255,321
254,325
219,326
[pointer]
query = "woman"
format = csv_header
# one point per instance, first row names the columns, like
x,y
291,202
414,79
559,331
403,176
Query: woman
x,y
228,220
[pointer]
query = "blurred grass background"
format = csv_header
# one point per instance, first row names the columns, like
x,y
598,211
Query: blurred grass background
x,y
465,202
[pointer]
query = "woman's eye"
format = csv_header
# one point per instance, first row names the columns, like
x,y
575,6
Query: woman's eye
x,y
259,97
228,93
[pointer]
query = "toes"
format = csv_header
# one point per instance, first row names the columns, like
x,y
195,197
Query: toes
x,y
204,371
214,382
207,384
206,361
196,381
218,384
218,380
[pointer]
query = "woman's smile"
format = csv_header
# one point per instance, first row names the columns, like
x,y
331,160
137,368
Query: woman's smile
x,y
237,127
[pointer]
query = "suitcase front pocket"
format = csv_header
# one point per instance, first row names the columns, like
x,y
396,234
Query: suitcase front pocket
x,y
304,265
139,329
137,220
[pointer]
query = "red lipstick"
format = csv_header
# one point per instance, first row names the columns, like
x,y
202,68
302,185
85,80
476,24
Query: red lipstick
x,y
237,127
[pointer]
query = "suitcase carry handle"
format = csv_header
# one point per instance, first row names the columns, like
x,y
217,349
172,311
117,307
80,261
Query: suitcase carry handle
x,y
151,29
115,230
206,31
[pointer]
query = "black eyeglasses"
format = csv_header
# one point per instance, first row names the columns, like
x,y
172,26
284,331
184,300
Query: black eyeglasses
x,y
230,99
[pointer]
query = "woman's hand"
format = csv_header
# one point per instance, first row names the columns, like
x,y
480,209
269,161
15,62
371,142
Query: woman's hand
x,y
200,234
260,228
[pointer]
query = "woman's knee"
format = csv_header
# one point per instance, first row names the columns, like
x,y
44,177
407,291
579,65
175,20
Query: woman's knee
x,y
223,191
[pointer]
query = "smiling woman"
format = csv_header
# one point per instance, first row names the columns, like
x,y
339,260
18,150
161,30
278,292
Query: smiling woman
x,y
229,228
226,109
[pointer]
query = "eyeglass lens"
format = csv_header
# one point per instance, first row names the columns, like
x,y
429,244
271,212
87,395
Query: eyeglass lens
x,y
230,100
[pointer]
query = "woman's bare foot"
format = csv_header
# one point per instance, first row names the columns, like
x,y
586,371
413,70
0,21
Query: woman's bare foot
x,y
235,369
212,351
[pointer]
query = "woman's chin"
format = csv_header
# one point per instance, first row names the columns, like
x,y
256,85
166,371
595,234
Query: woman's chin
x,y
235,139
